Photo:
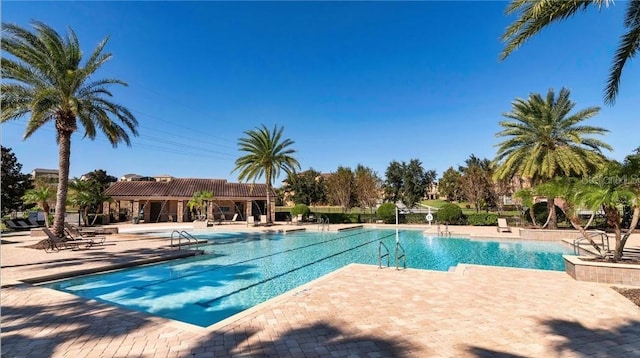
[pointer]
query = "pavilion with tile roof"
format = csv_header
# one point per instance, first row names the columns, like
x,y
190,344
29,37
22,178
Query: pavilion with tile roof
x,y
163,201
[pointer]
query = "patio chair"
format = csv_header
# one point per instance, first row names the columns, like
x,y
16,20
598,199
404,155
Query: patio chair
x,y
75,234
55,243
25,224
251,220
13,226
263,220
502,225
33,222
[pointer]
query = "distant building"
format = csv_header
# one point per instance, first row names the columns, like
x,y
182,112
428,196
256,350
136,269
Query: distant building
x,y
166,199
135,177
45,175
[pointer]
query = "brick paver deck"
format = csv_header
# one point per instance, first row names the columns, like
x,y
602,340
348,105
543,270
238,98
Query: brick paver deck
x,y
358,311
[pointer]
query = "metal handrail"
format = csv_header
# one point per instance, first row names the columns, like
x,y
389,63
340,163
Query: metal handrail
x,y
403,256
183,235
604,242
380,255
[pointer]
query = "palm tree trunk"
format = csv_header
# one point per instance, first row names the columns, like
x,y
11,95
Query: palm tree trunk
x,y
575,222
552,222
621,241
64,156
268,180
268,203
45,208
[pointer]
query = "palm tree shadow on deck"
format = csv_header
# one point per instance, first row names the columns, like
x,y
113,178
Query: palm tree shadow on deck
x,y
319,339
596,342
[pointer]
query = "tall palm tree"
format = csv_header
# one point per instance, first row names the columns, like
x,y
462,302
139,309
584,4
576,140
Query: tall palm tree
x,y
545,141
41,195
534,15
267,154
45,78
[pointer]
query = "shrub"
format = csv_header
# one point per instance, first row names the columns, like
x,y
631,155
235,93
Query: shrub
x,y
482,219
449,213
300,209
542,213
387,213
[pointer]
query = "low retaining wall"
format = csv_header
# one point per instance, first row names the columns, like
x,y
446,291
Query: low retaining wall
x,y
549,235
602,272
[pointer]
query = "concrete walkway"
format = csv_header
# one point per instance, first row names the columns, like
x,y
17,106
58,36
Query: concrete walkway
x,y
358,311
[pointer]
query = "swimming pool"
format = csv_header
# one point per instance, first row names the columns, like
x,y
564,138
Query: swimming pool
x,y
241,270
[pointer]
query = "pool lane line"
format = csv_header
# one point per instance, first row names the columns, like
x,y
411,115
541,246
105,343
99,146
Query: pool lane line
x,y
207,304
245,261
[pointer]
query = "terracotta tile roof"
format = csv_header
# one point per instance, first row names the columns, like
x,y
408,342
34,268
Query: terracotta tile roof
x,y
184,188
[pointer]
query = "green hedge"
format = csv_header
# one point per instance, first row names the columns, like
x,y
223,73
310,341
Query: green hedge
x,y
449,213
482,219
387,213
300,209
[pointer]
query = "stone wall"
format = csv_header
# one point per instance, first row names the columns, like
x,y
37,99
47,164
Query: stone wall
x,y
549,235
602,272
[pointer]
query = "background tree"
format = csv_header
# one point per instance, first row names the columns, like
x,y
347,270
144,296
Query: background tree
x,y
42,195
367,187
450,185
393,182
14,183
544,141
533,16
267,154
44,78
415,181
476,182
100,178
341,188
308,187
407,183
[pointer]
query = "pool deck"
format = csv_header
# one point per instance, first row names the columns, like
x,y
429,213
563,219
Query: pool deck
x,y
357,311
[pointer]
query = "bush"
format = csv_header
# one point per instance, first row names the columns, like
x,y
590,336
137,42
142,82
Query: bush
x,y
449,213
542,213
482,219
300,209
387,213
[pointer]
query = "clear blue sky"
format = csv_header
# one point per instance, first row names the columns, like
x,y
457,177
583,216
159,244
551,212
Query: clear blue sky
x,y
358,82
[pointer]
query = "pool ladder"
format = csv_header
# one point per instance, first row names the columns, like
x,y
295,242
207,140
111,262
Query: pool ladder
x,y
400,254
381,256
446,232
323,224
184,235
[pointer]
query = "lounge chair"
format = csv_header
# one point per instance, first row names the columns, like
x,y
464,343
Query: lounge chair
x,y
55,243
502,225
75,234
34,222
25,224
13,226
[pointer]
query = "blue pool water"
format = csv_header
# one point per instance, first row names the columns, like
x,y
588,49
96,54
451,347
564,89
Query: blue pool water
x,y
241,270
